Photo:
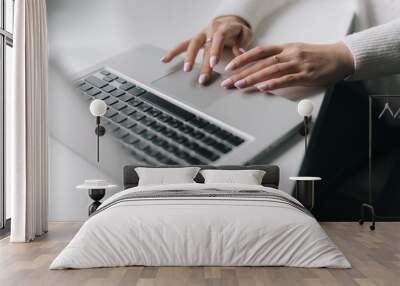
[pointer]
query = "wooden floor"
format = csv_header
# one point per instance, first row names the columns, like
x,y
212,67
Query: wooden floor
x,y
375,257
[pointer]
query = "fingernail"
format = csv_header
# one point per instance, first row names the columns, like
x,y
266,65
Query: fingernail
x,y
187,67
242,50
241,83
230,66
213,61
162,59
203,78
262,85
227,82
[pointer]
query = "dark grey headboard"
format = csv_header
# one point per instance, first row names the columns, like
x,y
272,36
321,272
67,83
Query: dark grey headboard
x,y
271,177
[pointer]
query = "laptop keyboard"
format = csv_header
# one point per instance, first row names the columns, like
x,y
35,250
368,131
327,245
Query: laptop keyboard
x,y
154,129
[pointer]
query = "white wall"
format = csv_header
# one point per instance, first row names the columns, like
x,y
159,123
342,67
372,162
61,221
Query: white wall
x,y
67,170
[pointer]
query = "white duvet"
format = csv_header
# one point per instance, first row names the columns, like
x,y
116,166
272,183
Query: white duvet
x,y
200,231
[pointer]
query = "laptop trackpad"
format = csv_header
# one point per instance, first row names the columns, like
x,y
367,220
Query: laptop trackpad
x,y
184,86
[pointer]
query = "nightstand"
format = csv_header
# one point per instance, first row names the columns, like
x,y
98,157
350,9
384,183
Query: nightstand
x,y
304,191
97,190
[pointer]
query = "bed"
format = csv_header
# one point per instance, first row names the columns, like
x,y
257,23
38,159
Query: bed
x,y
201,224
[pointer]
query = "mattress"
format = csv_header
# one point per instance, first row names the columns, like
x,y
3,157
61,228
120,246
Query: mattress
x,y
201,225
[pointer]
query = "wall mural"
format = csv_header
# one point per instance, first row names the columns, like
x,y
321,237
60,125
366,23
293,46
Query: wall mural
x,y
154,113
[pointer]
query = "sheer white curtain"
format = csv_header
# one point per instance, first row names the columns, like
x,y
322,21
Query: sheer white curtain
x,y
26,123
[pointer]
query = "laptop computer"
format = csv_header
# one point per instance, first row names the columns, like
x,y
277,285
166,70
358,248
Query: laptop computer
x,y
159,114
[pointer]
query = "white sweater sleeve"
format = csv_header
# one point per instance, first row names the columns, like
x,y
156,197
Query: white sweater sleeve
x,y
376,51
253,11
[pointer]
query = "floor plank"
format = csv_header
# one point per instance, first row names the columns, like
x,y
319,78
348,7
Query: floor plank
x,y
375,257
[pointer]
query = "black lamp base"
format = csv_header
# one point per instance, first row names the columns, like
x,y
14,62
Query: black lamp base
x,y
100,130
304,129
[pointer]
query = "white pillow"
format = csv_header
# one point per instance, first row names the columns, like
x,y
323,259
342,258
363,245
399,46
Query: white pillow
x,y
163,176
248,177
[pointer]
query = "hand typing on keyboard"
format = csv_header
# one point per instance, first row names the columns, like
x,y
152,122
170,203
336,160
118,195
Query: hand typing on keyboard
x,y
230,31
288,65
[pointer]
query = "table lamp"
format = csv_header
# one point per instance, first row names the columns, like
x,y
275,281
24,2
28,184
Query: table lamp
x,y
305,109
98,108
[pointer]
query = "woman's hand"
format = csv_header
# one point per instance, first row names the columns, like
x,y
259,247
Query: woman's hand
x,y
231,31
288,65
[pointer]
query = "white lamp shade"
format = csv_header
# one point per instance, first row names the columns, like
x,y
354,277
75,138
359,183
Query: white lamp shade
x,y
305,108
98,107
